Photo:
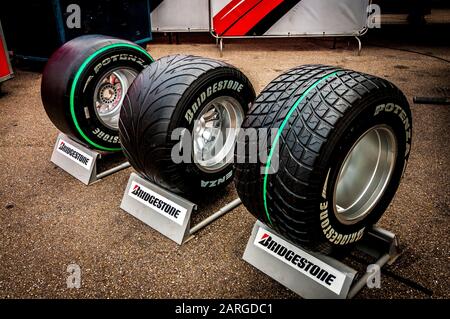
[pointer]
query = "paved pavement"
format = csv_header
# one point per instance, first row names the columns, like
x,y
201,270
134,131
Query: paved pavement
x,y
49,220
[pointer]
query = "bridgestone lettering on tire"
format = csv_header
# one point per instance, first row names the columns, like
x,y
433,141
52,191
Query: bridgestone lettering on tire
x,y
343,143
84,84
199,96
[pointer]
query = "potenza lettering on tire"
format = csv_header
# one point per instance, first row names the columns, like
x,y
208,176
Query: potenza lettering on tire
x,y
217,182
120,57
403,115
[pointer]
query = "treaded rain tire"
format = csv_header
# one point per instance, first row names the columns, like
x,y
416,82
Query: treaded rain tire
x,y
323,113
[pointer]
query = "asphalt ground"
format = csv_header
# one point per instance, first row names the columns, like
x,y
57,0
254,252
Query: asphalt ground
x,y
49,220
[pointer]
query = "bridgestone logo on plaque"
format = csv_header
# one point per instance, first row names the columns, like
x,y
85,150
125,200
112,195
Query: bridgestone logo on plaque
x,y
300,260
158,203
79,157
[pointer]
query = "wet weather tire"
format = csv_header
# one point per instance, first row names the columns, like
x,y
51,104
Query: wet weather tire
x,y
84,84
173,116
342,144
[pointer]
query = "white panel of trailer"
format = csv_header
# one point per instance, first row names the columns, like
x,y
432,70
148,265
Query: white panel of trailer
x,y
307,18
323,17
181,16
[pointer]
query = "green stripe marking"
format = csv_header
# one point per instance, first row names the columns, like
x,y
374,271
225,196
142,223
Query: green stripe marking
x,y
277,137
75,82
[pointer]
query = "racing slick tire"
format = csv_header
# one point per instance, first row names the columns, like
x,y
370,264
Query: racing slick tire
x,y
84,84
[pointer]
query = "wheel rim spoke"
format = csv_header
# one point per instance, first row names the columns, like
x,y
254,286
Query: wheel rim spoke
x,y
109,94
213,141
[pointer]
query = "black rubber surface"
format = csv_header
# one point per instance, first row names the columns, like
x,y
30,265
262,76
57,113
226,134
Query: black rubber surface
x,y
161,100
58,77
338,109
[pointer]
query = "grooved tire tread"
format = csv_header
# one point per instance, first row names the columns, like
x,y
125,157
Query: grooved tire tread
x,y
159,92
295,189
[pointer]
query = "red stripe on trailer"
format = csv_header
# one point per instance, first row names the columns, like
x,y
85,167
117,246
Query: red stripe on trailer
x,y
252,18
231,13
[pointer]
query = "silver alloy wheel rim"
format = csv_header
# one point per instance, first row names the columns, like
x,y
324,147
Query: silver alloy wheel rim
x,y
110,93
365,174
215,133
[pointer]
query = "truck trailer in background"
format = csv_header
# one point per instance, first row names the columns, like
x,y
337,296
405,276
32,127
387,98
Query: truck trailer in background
x,y
260,18
6,71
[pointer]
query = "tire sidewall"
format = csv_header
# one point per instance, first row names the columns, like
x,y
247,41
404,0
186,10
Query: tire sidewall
x,y
216,83
85,86
392,111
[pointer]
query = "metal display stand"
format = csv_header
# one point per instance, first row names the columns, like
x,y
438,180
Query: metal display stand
x,y
220,40
80,161
164,211
326,277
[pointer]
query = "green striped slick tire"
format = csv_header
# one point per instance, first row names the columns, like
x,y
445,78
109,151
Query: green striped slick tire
x,y
338,144
84,84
